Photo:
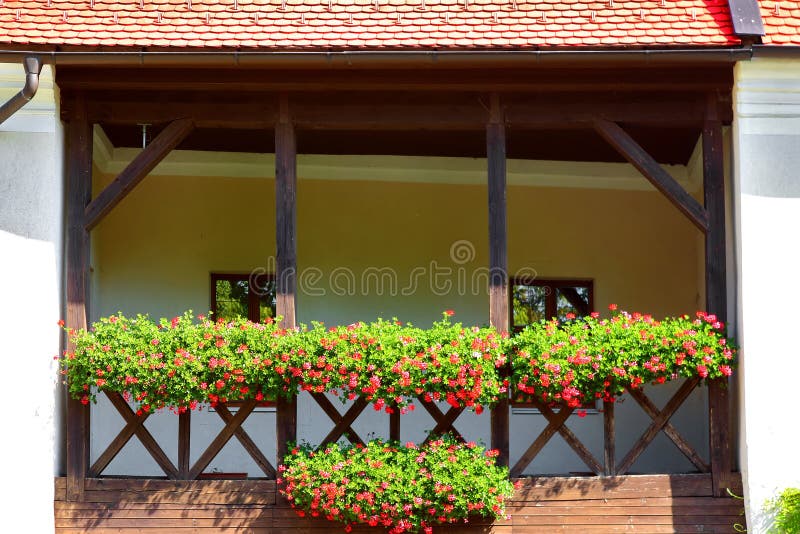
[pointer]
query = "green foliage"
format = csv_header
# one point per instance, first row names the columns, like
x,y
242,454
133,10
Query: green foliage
x,y
404,487
181,362
578,360
786,508
184,361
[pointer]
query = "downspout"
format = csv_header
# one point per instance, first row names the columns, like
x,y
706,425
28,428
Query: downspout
x,y
32,69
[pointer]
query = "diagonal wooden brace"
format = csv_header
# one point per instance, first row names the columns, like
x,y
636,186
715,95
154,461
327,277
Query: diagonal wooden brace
x,y
117,444
649,167
141,432
571,439
343,421
658,424
248,444
222,438
444,421
679,441
553,424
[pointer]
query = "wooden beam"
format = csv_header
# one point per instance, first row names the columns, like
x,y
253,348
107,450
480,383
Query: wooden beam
x,y
716,291
222,438
78,194
609,439
541,440
184,443
649,167
672,433
498,260
571,439
342,425
331,411
145,437
657,425
116,445
135,172
247,442
286,263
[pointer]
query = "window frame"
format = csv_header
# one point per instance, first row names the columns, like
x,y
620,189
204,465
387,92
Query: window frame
x,y
551,305
551,300
253,307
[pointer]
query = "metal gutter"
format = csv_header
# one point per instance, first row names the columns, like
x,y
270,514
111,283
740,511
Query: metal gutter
x,y
387,59
776,51
33,67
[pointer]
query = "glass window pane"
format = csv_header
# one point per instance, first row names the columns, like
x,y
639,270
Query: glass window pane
x,y
231,297
574,300
529,304
266,299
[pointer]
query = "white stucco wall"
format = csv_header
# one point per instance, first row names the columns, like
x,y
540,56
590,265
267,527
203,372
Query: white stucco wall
x,y
766,142
31,156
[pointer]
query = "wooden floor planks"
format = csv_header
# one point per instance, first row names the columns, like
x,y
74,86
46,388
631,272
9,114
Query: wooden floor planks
x,y
587,505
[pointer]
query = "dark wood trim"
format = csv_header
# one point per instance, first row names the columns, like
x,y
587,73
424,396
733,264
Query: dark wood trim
x,y
253,304
444,421
716,290
145,437
251,81
498,260
568,436
394,424
116,445
231,426
77,257
334,415
247,442
343,422
657,425
286,261
609,439
553,424
137,170
649,167
652,410
184,444
551,300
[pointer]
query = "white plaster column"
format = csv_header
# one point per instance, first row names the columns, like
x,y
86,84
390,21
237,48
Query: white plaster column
x,y
766,142
31,198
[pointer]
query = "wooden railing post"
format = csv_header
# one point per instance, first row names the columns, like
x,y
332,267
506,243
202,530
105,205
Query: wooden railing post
x,y
498,260
609,439
78,195
286,241
716,290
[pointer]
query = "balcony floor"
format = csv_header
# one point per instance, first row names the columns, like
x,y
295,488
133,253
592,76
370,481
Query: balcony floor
x,y
633,503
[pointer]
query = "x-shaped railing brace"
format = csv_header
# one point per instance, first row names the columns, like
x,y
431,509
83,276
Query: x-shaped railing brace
x,y
556,422
134,425
661,423
444,421
342,422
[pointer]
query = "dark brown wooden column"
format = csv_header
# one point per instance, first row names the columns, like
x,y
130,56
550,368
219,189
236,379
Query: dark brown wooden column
x,y
498,258
78,191
286,241
716,290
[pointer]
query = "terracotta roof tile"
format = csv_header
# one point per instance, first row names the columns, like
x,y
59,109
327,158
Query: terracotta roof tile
x,y
354,24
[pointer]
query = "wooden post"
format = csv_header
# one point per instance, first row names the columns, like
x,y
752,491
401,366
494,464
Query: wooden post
x,y
498,259
716,290
286,233
78,195
610,439
184,443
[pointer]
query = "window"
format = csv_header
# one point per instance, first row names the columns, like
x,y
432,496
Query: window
x,y
536,300
242,295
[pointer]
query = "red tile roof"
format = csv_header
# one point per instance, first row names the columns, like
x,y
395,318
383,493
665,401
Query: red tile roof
x,y
781,22
366,24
